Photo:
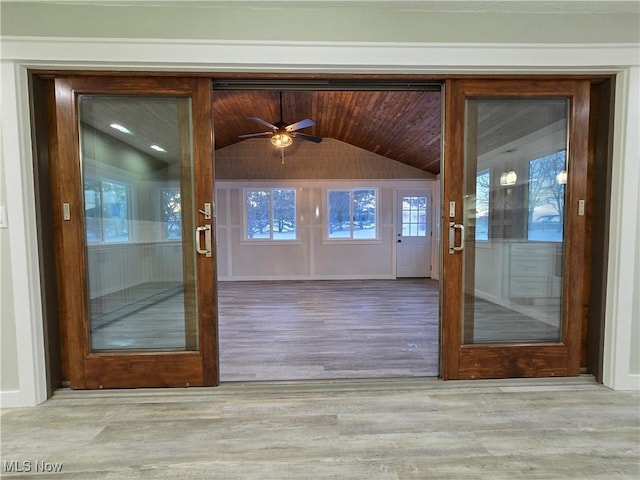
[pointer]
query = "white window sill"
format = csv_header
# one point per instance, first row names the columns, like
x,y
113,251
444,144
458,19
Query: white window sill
x,y
351,241
263,242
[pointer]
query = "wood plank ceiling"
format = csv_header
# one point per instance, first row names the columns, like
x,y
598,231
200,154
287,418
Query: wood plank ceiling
x,y
405,126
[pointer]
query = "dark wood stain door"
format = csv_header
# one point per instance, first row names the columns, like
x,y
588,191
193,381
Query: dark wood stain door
x,y
515,185
137,301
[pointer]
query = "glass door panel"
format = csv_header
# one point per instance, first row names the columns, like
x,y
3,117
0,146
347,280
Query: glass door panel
x,y
514,197
514,191
133,185
136,155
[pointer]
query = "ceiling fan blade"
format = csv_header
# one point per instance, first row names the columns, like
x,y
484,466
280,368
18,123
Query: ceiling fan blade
x,y
262,122
305,136
307,122
249,135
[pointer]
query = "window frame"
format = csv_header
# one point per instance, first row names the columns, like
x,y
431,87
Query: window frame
x,y
416,223
483,241
129,209
350,239
246,239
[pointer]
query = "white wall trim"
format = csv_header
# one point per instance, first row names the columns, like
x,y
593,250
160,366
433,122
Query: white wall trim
x,y
312,233
25,269
625,216
20,53
406,57
262,278
15,398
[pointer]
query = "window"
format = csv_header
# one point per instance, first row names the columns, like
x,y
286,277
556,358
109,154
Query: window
x,y
352,214
414,216
547,178
172,213
106,211
483,187
271,214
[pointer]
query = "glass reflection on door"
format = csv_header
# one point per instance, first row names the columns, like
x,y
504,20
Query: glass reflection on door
x,y
514,190
138,207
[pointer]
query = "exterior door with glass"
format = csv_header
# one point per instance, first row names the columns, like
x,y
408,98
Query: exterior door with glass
x,y
133,197
413,242
514,229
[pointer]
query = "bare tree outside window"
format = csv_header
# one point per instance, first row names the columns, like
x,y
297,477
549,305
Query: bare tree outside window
x,y
352,213
483,187
284,214
172,213
339,203
546,197
271,214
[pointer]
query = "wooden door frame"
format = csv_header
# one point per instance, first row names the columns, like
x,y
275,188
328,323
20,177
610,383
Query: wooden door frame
x,y
84,368
515,360
597,322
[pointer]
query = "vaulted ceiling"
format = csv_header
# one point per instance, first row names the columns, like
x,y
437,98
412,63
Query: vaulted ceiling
x,y
404,126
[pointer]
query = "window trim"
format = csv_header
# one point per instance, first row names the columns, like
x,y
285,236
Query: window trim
x,y
246,240
351,239
401,211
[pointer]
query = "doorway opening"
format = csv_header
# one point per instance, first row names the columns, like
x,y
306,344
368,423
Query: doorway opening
x,y
308,236
340,241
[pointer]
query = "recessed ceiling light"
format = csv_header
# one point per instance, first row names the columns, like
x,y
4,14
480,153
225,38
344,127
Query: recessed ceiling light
x,y
158,148
120,128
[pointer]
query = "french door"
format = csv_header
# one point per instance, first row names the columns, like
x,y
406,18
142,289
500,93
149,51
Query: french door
x,y
515,178
133,200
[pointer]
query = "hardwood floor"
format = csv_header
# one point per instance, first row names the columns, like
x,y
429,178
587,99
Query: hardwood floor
x,y
525,429
302,330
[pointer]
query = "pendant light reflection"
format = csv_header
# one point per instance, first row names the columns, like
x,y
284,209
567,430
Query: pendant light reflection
x,y
561,178
508,178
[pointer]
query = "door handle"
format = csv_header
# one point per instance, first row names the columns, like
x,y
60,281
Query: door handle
x,y
207,240
452,237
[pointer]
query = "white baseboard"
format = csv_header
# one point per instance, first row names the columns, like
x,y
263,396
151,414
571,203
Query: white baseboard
x,y
258,278
13,399
628,382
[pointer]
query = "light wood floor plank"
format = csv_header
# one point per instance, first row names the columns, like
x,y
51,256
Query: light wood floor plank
x,y
532,429
301,330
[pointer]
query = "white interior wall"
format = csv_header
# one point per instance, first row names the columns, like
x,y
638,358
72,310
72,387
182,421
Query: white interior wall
x,y
9,381
312,255
74,37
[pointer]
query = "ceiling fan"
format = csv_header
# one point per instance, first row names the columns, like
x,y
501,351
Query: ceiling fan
x,y
281,134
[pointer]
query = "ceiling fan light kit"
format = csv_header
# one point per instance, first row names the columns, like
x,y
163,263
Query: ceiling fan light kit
x,y
281,140
281,134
